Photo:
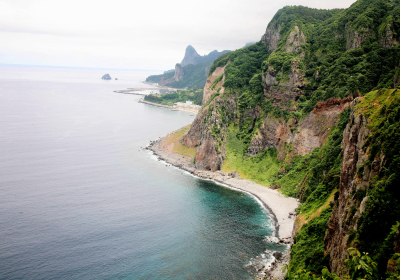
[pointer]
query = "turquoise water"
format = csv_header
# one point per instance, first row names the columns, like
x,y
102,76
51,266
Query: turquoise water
x,y
80,199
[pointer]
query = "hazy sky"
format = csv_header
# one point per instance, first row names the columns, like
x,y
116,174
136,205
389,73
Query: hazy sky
x,y
150,34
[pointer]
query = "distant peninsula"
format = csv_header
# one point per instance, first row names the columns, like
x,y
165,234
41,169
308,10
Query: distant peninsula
x,y
192,72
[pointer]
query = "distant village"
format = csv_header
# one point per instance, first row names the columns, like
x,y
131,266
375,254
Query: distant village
x,y
187,104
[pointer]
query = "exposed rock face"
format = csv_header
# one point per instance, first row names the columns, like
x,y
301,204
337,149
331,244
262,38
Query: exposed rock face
x,y
282,92
387,39
106,77
206,155
271,134
190,56
296,38
192,138
210,155
342,221
208,89
178,72
271,37
355,38
309,134
397,241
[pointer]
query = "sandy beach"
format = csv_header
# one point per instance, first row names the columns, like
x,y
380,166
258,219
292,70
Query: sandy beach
x,y
280,208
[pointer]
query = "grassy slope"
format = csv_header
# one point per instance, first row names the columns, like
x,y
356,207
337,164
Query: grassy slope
x,y
178,147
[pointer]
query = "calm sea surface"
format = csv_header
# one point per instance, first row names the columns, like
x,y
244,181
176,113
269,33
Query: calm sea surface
x,y
79,199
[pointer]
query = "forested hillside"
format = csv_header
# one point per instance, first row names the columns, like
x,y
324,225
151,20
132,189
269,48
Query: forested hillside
x,y
313,110
191,73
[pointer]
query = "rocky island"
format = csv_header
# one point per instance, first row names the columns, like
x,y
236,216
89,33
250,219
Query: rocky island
x,y
106,77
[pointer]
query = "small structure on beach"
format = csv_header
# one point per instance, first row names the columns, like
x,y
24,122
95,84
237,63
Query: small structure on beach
x,y
187,104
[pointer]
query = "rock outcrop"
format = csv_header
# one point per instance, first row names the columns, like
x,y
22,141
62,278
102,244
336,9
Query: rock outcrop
x,y
387,39
343,220
190,57
295,40
106,77
305,136
355,38
179,73
271,37
211,87
288,90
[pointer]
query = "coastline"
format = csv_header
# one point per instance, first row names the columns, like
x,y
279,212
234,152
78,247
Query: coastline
x,y
192,110
280,208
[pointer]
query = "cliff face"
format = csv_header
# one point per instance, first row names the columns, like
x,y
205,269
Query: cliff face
x,y
278,113
214,83
190,57
343,221
271,37
203,131
310,133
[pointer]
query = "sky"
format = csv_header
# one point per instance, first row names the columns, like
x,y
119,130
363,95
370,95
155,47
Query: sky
x,y
151,34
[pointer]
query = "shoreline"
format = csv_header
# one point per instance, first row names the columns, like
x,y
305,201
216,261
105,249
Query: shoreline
x,y
280,209
191,110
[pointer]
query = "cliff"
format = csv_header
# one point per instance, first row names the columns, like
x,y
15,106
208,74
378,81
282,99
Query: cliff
x,y
305,110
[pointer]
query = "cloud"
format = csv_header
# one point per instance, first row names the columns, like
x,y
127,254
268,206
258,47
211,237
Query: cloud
x,y
132,34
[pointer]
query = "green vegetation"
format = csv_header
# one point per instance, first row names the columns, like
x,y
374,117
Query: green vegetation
x,y
260,168
375,233
360,266
344,55
157,78
308,248
174,144
194,76
180,96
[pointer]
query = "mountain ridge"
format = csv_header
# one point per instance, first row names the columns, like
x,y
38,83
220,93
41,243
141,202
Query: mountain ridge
x,y
191,72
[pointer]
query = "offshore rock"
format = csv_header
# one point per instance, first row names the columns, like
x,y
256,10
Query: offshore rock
x,y
106,77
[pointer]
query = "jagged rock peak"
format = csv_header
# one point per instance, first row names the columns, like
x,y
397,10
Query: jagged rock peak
x,y
190,56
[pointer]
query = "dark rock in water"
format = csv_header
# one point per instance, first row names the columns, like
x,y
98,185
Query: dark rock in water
x,y
106,77
277,255
116,79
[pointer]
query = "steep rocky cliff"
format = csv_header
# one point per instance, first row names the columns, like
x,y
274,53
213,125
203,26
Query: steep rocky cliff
x,y
301,111
343,219
190,57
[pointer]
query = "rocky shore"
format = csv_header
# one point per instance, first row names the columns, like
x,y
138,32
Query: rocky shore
x,y
280,208
174,108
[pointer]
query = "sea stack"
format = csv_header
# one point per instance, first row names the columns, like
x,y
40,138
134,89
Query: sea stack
x,y
106,77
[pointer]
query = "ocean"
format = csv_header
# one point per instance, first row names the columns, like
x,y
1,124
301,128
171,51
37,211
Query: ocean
x,y
81,199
